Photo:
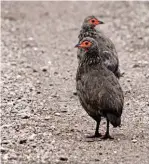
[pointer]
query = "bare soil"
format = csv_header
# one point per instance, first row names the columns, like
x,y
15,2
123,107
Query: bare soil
x,y
42,119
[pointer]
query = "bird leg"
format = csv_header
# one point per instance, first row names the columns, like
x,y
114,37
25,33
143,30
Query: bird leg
x,y
97,134
107,135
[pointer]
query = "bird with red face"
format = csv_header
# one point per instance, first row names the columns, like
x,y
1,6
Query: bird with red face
x,y
109,55
98,89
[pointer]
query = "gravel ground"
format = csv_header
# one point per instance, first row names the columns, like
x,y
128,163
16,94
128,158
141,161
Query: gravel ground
x,y
42,120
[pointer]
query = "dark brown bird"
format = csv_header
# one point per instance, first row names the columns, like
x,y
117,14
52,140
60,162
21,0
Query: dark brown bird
x,y
98,89
109,55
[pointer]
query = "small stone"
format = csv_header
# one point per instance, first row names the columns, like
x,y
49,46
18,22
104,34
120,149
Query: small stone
x,y
97,159
135,66
13,156
3,150
23,141
47,118
55,73
147,76
49,62
63,158
75,93
38,92
134,140
128,80
32,137
25,117
44,69
57,114
100,153
34,70
5,142
64,111
115,152
35,48
30,38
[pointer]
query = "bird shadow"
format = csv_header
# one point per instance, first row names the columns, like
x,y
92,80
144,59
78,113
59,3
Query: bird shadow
x,y
116,137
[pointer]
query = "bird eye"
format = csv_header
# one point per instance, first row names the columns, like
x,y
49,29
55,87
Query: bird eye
x,y
86,43
93,21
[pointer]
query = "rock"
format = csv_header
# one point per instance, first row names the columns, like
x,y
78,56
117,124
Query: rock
x,y
63,158
13,156
3,150
135,66
34,70
64,111
47,118
35,48
23,141
57,114
147,76
128,80
134,140
75,93
44,69
5,142
55,73
32,137
31,38
25,117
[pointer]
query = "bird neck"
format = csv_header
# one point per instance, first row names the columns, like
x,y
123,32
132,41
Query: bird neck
x,y
91,57
87,31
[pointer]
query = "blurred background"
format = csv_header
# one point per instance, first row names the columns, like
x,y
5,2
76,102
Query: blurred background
x,y
42,120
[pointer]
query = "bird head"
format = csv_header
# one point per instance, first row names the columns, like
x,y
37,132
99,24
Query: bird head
x,y
88,44
92,21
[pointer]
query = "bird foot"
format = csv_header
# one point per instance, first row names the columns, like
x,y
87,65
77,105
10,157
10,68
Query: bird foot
x,y
107,136
97,135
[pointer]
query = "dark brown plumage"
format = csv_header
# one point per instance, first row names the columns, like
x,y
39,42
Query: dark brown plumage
x,y
109,55
98,89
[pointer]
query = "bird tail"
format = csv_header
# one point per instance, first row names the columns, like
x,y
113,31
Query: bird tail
x,y
114,120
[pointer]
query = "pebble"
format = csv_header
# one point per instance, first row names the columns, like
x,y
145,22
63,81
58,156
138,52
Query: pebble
x,y
57,114
23,141
30,38
34,70
75,93
25,117
44,69
147,76
135,66
32,137
47,118
64,111
5,142
134,140
35,48
3,150
63,158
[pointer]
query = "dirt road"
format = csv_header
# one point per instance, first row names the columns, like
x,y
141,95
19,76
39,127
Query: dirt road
x,y
42,120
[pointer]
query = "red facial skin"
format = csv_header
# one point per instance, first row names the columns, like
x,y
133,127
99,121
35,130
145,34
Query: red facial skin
x,y
94,21
85,45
